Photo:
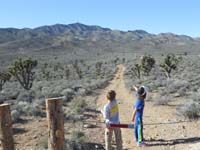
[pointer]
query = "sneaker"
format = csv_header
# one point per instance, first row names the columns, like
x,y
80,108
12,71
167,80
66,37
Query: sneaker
x,y
142,144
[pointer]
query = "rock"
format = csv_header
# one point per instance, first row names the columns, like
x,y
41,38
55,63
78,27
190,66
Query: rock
x,y
151,139
183,127
88,126
35,137
96,146
183,135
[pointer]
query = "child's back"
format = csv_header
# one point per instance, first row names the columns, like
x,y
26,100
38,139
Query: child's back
x,y
111,115
111,112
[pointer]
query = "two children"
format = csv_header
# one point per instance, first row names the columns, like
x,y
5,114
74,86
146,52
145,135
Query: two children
x,y
111,115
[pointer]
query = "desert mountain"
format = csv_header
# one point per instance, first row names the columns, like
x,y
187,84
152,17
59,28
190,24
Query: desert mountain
x,y
78,36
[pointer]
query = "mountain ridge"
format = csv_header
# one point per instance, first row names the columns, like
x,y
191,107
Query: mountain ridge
x,y
78,36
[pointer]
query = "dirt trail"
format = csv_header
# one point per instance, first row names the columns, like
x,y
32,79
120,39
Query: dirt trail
x,y
162,129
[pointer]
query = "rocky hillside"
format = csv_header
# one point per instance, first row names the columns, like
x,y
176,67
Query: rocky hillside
x,y
72,37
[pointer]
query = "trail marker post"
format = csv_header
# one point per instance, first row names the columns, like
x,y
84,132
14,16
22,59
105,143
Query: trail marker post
x,y
6,133
55,121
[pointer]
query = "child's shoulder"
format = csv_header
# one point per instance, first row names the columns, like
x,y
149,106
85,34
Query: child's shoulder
x,y
107,105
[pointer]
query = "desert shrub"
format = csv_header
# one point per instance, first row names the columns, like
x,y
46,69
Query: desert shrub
x,y
28,109
190,110
177,84
196,96
160,82
26,96
43,143
151,87
68,94
182,91
162,99
78,136
9,93
79,105
50,92
15,116
40,102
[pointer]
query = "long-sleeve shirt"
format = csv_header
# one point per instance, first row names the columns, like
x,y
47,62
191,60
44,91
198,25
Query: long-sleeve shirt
x,y
111,112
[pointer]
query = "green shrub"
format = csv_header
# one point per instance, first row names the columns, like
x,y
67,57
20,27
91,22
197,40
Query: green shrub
x,y
78,136
162,100
79,105
43,143
15,116
28,109
190,110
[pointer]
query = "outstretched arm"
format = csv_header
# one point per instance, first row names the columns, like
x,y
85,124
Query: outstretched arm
x,y
135,87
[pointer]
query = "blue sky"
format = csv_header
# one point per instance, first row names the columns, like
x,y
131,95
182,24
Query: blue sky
x,y
154,16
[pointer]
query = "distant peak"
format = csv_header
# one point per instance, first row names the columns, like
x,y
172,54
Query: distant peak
x,y
139,31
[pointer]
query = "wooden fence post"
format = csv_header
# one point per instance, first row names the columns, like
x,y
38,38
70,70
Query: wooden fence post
x,y
6,133
55,121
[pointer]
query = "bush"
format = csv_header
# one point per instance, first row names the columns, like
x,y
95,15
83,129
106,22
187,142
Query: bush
x,y
79,105
78,137
176,85
28,109
9,93
182,91
26,96
162,100
15,116
43,143
68,94
190,110
196,96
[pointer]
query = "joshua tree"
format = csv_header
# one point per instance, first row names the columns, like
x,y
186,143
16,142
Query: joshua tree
x,y
22,71
115,61
78,69
136,70
4,76
169,63
123,60
67,72
98,69
147,63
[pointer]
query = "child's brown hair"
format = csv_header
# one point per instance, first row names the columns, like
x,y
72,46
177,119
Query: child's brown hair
x,y
111,95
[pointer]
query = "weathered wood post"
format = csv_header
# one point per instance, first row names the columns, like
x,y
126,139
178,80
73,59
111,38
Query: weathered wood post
x,y
6,133
55,121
